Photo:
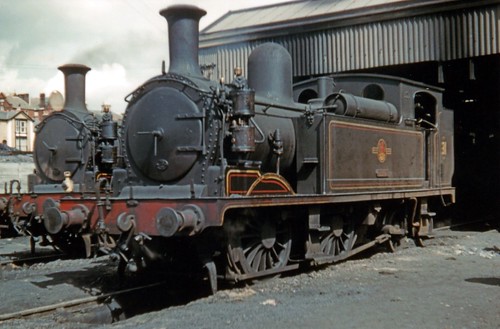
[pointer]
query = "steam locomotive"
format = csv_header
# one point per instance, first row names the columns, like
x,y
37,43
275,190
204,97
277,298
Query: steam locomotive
x,y
254,177
75,152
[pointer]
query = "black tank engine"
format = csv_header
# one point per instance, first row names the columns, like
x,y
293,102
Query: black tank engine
x,y
75,152
255,176
74,142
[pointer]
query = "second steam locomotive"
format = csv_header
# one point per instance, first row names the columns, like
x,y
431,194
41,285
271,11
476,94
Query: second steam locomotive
x,y
74,153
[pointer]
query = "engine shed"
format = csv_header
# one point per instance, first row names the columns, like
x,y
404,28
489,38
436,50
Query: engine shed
x,y
452,44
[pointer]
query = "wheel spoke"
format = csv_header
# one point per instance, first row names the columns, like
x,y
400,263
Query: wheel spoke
x,y
342,241
269,258
336,247
274,255
253,253
257,260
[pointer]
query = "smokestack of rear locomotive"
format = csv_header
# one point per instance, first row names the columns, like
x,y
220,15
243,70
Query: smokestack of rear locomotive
x,y
74,84
183,24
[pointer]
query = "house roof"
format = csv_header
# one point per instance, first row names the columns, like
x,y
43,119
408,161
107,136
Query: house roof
x,y
18,102
9,115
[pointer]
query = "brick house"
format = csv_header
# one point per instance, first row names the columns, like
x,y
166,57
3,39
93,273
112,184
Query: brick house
x,y
16,125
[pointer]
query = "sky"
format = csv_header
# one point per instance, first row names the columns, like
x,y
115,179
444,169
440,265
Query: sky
x,y
122,41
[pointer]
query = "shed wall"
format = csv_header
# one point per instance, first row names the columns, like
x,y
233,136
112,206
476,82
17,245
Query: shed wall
x,y
438,37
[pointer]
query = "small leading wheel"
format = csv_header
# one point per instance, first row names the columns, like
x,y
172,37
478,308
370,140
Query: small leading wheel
x,y
339,239
258,244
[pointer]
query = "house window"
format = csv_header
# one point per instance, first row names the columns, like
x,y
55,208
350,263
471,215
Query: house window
x,y
21,126
22,144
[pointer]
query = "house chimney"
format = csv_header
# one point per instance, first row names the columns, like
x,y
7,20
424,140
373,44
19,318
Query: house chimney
x,y
25,97
42,104
74,85
183,36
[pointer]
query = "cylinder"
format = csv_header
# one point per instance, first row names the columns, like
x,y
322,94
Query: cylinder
x,y
183,36
74,84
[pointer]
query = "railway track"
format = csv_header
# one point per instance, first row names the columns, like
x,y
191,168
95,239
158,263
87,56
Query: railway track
x,y
20,252
97,295
88,291
106,301
108,307
21,261
335,290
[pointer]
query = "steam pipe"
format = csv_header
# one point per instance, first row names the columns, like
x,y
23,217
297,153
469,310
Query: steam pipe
x,y
183,35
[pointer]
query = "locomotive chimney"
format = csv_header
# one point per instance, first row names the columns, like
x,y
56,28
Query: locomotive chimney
x,y
74,81
183,36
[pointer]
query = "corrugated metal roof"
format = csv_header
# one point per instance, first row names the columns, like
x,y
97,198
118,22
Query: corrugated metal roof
x,y
444,30
310,15
284,12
